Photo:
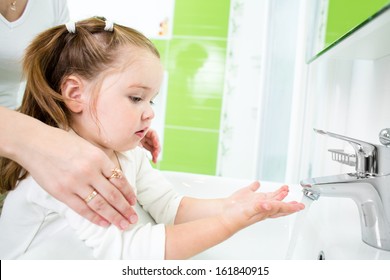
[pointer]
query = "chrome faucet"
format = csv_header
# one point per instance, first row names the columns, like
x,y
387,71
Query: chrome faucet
x,y
369,186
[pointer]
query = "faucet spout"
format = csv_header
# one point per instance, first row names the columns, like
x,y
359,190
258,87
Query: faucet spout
x,y
367,193
333,186
313,195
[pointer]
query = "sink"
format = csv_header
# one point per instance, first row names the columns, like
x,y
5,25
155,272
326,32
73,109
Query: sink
x,y
327,229
331,230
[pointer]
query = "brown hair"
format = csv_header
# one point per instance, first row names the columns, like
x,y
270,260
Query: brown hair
x,y
50,58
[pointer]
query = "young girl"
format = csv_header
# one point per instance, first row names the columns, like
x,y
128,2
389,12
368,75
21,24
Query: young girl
x,y
98,80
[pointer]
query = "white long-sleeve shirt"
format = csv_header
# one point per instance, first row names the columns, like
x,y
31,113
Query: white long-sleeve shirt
x,y
31,218
15,36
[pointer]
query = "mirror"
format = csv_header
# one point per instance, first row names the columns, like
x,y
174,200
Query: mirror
x,y
334,20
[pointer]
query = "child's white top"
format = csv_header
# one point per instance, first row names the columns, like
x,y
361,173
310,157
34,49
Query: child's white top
x,y
16,36
31,217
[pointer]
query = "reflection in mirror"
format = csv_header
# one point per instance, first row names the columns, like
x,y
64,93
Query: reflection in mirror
x,y
334,20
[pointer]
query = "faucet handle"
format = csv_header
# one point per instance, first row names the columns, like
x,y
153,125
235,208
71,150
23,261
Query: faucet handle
x,y
366,153
384,137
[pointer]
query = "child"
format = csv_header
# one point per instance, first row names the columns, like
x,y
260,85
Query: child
x,y
98,80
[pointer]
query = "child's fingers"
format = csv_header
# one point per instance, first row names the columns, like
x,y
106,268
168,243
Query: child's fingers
x,y
278,208
281,214
147,146
254,186
279,194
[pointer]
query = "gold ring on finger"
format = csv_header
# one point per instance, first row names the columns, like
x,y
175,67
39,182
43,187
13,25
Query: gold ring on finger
x,y
91,196
116,173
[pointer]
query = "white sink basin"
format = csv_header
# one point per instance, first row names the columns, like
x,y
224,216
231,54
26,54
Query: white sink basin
x,y
332,226
328,228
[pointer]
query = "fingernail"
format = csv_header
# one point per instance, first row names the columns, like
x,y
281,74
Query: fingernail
x,y
104,224
133,219
124,224
133,201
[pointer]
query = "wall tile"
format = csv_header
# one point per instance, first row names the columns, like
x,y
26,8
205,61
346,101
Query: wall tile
x,y
163,48
193,151
196,70
195,61
201,18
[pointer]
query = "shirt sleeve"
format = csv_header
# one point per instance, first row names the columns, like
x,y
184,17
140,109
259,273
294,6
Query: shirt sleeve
x,y
140,241
154,192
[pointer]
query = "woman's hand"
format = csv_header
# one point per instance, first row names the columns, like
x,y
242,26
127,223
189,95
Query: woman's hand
x,y
71,174
69,168
152,144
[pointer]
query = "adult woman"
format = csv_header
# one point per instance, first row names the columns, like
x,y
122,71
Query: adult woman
x,y
63,173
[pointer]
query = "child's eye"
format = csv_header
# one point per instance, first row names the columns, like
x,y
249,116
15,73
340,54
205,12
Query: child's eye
x,y
151,102
135,99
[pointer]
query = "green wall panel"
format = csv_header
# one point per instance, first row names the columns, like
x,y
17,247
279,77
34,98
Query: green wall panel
x,y
163,49
196,80
193,151
195,60
201,18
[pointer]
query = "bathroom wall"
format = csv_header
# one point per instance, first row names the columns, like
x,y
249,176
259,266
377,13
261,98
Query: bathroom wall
x,y
347,93
347,97
235,76
194,58
343,92
259,88
244,80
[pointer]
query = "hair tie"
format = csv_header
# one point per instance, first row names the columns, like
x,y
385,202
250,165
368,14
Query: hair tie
x,y
109,26
71,26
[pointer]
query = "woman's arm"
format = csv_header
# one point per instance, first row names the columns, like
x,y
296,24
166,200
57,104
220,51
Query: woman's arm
x,y
68,167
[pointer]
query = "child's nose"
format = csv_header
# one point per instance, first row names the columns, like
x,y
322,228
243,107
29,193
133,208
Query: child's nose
x,y
148,113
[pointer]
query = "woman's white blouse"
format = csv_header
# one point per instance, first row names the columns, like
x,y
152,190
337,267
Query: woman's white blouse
x,y
15,36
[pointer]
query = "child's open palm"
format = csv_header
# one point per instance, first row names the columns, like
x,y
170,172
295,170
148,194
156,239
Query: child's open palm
x,y
246,206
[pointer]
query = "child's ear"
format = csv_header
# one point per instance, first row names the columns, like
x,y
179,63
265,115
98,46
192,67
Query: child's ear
x,y
72,90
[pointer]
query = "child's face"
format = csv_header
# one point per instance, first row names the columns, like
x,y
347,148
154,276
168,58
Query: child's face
x,y
124,104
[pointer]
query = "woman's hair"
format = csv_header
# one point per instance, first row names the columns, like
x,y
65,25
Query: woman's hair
x,y
54,55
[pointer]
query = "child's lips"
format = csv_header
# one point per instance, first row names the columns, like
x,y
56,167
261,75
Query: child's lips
x,y
141,133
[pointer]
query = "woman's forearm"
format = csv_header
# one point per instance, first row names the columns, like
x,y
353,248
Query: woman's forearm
x,y
28,141
15,129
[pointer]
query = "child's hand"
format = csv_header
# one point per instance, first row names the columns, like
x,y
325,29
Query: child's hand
x,y
246,207
151,143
